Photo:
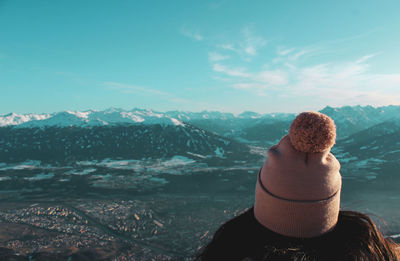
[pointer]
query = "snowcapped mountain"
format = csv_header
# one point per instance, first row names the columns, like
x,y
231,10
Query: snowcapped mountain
x,y
114,116
247,127
351,119
17,119
204,115
87,118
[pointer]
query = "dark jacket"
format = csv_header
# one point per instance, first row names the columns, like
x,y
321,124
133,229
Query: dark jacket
x,y
243,238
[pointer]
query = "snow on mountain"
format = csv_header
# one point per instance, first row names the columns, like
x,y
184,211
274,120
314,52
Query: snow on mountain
x,y
114,116
216,115
249,114
204,115
88,118
16,119
349,119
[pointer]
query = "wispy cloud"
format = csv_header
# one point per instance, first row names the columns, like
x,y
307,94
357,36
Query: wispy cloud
x,y
217,4
251,43
272,77
366,57
247,47
215,57
229,47
195,35
256,88
236,72
292,55
128,88
265,77
284,51
302,73
344,83
134,89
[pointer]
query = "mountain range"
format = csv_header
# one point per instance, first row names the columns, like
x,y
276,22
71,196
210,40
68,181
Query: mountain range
x,y
349,119
363,132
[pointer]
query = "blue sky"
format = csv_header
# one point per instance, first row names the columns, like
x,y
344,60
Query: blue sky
x,y
233,56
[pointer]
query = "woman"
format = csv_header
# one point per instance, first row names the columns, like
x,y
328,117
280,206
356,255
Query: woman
x,y
296,212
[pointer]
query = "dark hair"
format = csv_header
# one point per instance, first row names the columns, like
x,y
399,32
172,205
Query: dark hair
x,y
355,237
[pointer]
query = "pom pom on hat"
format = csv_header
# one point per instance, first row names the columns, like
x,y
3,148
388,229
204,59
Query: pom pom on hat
x,y
312,132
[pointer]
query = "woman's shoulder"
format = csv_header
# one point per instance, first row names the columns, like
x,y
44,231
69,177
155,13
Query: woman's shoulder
x,y
240,237
243,227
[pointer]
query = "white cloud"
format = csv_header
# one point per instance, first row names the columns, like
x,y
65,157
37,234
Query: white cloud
x,y
227,47
195,35
248,46
250,50
215,57
293,55
251,43
348,83
127,88
264,78
231,72
298,54
275,78
256,88
366,57
293,73
284,51
337,84
134,89
216,5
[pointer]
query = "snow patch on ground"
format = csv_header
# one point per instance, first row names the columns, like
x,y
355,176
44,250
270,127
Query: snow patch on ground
x,y
368,162
81,172
158,180
5,178
41,176
30,164
177,161
197,155
349,159
370,177
121,164
177,122
104,177
349,141
219,152
165,165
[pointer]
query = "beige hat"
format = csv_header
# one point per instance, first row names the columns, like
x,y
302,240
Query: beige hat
x,y
298,188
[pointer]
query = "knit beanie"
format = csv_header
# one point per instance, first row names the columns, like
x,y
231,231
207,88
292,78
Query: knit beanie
x,y
298,187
